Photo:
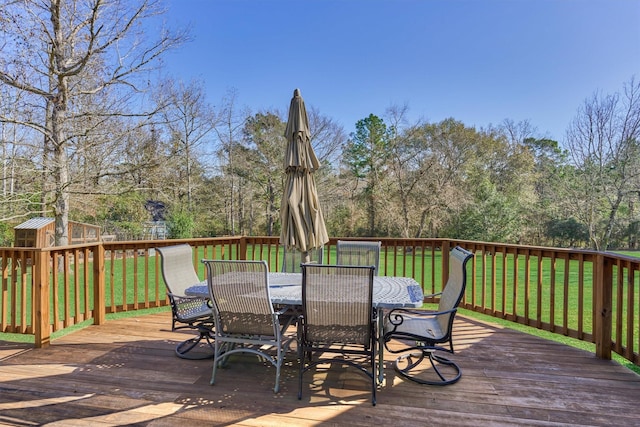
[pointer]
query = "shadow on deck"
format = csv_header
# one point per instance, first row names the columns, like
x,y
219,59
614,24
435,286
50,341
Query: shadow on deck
x,y
125,373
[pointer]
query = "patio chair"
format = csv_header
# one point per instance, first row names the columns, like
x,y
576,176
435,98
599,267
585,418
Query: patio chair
x,y
187,312
351,252
337,319
245,320
423,332
292,258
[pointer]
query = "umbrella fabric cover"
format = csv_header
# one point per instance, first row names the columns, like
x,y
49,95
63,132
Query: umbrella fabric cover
x,y
301,217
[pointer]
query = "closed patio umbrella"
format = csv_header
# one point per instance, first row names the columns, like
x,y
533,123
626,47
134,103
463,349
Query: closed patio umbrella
x,y
300,214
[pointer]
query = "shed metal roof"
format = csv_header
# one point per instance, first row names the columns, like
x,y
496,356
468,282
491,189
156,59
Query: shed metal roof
x,y
35,223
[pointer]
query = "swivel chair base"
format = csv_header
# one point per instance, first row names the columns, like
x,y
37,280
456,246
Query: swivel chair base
x,y
184,349
405,363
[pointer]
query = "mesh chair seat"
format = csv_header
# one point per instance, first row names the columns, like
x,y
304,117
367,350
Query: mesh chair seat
x,y
418,327
191,308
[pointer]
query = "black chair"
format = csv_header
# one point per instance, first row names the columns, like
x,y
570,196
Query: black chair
x,y
424,332
337,319
187,312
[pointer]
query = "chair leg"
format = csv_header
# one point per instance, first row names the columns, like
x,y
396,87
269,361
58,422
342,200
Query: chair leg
x,y
301,362
279,357
374,374
218,354
184,348
414,359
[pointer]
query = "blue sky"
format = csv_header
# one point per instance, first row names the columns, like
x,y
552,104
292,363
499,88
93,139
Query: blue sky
x,y
478,61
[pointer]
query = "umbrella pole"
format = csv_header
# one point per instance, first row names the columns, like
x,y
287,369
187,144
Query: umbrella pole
x,y
305,257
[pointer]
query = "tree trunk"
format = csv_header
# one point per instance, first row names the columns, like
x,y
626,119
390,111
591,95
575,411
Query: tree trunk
x,y
613,213
60,177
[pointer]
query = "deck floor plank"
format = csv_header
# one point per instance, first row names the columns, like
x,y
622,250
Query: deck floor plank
x,y
125,373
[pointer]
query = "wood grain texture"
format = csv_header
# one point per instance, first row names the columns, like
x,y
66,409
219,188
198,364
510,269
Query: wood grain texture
x,y
124,372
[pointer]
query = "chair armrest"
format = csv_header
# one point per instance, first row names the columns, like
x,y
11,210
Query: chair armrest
x,y
287,310
412,311
433,295
185,297
397,315
285,316
283,310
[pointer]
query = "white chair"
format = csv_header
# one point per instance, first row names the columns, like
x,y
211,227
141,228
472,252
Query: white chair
x,y
187,312
245,319
423,332
352,252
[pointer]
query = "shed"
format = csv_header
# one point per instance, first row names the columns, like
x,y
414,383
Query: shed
x,y
40,233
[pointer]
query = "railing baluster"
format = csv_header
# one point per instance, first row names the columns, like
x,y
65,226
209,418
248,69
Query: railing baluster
x,y
42,324
4,292
502,283
630,294
99,284
580,297
565,298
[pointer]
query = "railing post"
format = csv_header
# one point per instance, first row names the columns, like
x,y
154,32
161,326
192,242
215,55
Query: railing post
x,y
446,249
99,281
242,248
42,327
603,288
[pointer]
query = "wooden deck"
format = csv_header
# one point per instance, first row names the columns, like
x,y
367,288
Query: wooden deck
x,y
125,373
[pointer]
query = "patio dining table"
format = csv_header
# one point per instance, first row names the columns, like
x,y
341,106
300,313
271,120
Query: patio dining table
x,y
388,292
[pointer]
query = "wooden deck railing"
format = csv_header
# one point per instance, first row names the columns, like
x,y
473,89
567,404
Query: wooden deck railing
x,y
590,296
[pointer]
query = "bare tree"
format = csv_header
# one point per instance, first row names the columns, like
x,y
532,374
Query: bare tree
x,y
19,197
604,141
58,52
229,133
190,121
327,140
327,137
410,161
518,132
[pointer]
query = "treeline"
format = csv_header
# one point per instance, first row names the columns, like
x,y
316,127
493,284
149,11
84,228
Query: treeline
x,y
87,143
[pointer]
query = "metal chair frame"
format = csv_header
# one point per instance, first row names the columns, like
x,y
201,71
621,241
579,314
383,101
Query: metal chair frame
x,y
338,318
424,331
187,312
245,320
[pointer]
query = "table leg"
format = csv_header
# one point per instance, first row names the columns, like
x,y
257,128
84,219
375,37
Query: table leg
x,y
380,321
